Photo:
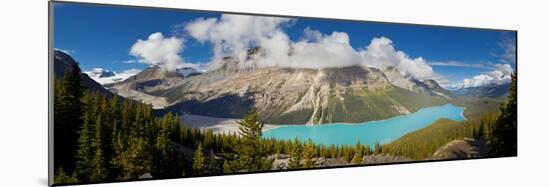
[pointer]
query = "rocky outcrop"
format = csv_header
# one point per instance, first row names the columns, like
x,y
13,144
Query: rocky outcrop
x,y
462,148
281,162
427,86
384,158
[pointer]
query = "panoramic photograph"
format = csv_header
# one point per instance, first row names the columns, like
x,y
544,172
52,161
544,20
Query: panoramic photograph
x,y
148,93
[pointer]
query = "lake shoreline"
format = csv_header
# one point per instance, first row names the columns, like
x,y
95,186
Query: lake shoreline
x,y
230,125
375,121
217,124
371,132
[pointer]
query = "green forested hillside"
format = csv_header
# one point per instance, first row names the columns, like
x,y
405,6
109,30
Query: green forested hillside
x,y
477,107
421,144
363,105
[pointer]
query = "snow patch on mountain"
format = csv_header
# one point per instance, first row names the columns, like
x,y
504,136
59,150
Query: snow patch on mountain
x,y
104,76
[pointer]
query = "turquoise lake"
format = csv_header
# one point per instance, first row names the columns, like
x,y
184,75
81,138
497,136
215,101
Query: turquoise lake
x,y
368,133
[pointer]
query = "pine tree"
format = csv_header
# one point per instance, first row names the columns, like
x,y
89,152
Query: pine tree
x,y
250,151
295,155
175,128
167,164
84,153
61,177
358,154
135,157
212,166
377,149
198,161
346,153
323,153
117,146
504,141
367,150
226,167
332,151
98,170
67,114
308,154
109,119
185,134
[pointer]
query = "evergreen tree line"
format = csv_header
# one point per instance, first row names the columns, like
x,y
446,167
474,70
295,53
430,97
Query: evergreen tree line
x,y
504,141
99,139
120,140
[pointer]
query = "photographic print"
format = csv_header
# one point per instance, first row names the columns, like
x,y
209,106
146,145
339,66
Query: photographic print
x,y
140,93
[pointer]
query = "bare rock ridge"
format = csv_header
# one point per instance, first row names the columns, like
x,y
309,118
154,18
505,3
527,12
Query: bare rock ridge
x,y
144,85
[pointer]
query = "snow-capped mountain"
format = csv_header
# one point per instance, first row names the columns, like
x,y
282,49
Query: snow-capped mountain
x,y
101,73
490,90
104,76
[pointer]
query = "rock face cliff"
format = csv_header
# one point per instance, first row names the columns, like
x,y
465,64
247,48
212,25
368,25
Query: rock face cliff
x,y
284,95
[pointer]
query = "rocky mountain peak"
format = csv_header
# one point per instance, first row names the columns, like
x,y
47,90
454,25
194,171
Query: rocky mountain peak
x,y
63,62
101,73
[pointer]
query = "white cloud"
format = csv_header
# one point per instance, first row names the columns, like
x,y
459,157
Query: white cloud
x,y
322,51
381,54
132,61
160,51
481,65
501,74
233,35
103,76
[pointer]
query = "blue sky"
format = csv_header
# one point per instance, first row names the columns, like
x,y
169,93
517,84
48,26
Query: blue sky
x,y
102,36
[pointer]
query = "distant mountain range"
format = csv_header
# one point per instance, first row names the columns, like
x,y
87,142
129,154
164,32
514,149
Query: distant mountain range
x,y
282,95
491,90
105,76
